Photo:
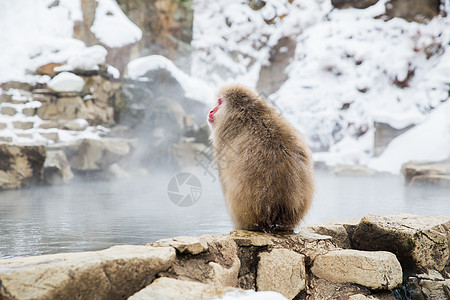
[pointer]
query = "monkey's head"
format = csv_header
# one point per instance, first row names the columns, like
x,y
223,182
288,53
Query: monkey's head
x,y
235,104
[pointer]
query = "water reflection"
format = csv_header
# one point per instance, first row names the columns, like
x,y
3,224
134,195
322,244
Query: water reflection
x,y
96,215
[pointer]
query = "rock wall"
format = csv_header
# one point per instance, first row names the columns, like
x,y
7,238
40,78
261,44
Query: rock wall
x,y
372,258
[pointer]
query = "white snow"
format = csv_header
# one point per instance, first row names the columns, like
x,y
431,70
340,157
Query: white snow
x,y
89,58
429,141
112,27
343,76
194,88
66,82
252,295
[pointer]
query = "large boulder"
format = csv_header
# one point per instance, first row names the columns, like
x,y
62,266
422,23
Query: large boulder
x,y
375,270
114,273
419,242
341,232
21,165
419,172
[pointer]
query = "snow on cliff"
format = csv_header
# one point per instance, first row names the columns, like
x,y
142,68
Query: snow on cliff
x,y
37,32
350,69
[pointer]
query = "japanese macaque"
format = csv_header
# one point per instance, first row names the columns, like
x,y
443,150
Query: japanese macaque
x,y
265,167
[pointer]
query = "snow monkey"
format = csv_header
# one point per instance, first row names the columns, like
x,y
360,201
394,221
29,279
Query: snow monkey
x,y
265,167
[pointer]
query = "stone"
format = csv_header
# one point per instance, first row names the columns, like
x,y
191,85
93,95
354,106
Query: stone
x,y
421,172
25,135
5,97
3,126
8,110
17,85
375,270
76,125
66,82
384,134
23,125
53,136
56,168
184,244
413,10
419,242
219,265
283,271
435,289
49,124
21,165
186,154
29,111
361,4
319,289
114,273
48,69
173,289
341,232
91,155
114,171
273,75
6,139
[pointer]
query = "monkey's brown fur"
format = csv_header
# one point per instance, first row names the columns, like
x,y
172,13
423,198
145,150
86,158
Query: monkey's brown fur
x,y
265,166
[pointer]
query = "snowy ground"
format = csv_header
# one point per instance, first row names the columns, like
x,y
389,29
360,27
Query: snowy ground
x,y
345,74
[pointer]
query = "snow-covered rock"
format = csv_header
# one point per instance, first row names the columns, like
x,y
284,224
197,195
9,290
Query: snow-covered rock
x,y
112,27
66,82
89,58
429,141
193,87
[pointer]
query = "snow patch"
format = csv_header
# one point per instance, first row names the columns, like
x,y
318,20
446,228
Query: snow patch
x,y
66,82
430,141
194,88
112,27
89,58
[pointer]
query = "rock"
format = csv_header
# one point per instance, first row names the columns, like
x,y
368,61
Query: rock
x,y
166,28
3,126
272,76
173,289
91,155
23,125
20,165
435,289
341,232
114,171
76,125
56,168
355,170
29,111
384,134
288,279
353,3
66,82
53,136
48,69
419,242
413,10
63,108
375,270
114,273
420,172
219,265
5,97
25,135
6,139
8,110
49,124
16,85
319,289
184,244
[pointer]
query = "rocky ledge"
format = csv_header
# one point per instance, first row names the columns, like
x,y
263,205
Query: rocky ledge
x,y
393,257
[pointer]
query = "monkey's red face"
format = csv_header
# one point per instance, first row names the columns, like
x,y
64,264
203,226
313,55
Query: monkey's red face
x,y
212,113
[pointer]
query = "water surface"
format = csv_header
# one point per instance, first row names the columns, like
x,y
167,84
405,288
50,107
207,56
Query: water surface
x,y
95,215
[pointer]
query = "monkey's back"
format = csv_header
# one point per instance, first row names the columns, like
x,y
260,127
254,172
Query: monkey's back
x,y
266,172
